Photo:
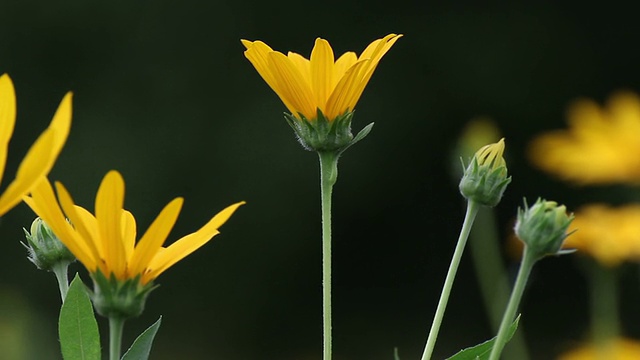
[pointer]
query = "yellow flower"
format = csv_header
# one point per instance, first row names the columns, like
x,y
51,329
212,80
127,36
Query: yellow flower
x,y
618,349
319,83
42,154
106,241
610,235
601,145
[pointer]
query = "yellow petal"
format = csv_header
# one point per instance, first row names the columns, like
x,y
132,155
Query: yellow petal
x,y
84,223
322,62
43,202
339,101
61,123
109,202
7,117
303,65
35,164
154,237
292,86
343,63
375,54
128,234
188,244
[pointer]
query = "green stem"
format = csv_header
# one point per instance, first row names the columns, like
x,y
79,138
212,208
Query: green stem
x,y
528,260
472,210
329,175
492,277
61,272
116,328
604,308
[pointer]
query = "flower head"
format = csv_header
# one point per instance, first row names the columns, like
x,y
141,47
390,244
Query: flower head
x,y
122,269
320,83
608,234
615,349
42,154
106,241
485,178
543,227
601,145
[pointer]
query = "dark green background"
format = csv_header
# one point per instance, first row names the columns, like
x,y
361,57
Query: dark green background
x,y
164,94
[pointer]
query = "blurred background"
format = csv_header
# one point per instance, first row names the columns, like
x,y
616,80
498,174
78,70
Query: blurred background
x,y
164,94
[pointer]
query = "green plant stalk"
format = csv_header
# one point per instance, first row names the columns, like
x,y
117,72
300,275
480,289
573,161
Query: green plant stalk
x,y
60,269
472,210
116,328
328,177
605,319
528,260
492,277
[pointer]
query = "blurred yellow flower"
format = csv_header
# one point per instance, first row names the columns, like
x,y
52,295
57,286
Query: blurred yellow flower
x,y
610,235
618,349
319,83
106,241
42,154
600,146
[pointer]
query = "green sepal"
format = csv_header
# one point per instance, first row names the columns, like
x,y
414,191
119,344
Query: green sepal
x,y
77,327
141,347
483,350
484,184
322,134
119,298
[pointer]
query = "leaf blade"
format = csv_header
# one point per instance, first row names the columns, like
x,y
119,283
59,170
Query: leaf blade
x,y
77,327
483,350
141,347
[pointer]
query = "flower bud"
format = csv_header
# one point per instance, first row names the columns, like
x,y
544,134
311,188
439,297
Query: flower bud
x,y
44,247
543,227
485,178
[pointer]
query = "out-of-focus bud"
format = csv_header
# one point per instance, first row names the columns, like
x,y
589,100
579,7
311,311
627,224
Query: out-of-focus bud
x,y
543,227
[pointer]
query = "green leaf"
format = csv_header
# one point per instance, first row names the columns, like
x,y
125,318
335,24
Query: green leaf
x,y
482,351
79,337
142,346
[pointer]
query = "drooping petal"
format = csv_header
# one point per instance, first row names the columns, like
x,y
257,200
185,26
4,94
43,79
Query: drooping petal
x,y
322,73
292,86
35,164
155,236
43,202
84,223
7,117
190,243
109,202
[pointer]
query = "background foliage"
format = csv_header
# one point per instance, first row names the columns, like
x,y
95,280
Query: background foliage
x,y
164,94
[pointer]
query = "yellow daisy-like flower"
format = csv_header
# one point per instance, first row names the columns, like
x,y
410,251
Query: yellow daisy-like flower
x,y
600,146
610,235
106,241
618,349
42,154
321,82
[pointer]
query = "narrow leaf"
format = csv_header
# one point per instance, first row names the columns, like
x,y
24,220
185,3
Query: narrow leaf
x,y
78,330
142,346
483,350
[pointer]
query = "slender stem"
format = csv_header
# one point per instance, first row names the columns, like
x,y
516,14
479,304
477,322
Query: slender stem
x,y
472,210
492,277
116,328
328,174
528,260
60,270
604,309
